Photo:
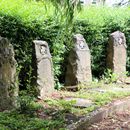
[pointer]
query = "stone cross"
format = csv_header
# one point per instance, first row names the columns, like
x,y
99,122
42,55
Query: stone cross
x,y
45,77
8,76
79,63
116,53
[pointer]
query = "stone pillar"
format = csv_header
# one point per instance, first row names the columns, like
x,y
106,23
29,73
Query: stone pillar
x,y
79,63
45,77
8,76
116,53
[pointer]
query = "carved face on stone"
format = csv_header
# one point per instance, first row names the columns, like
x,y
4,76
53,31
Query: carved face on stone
x,y
80,43
43,49
118,39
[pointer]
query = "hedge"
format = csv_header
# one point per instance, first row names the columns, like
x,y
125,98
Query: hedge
x,y
23,27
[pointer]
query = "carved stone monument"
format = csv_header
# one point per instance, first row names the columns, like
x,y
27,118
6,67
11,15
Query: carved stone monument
x,y
79,63
45,78
116,53
8,77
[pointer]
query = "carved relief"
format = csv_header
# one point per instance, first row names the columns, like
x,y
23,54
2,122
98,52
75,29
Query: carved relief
x,y
43,50
116,53
118,39
45,79
79,63
80,43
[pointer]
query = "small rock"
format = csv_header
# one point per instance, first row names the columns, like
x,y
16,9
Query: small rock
x,y
80,102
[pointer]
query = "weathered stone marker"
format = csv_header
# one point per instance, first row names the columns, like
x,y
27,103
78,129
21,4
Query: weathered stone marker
x,y
79,63
116,53
45,79
8,77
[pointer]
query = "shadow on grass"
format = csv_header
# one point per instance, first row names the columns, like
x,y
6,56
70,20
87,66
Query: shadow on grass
x,y
41,119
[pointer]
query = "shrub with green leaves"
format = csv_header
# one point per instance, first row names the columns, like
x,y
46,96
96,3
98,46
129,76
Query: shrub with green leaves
x,y
16,121
96,24
23,21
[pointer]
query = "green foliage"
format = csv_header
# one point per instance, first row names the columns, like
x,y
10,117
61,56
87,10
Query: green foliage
x,y
96,24
104,98
24,21
25,104
66,106
28,119
109,76
21,30
16,121
98,98
65,10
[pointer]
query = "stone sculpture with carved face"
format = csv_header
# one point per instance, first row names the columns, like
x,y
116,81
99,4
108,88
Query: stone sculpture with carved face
x,y
45,79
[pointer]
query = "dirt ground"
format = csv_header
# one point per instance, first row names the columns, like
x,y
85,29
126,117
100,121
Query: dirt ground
x,y
119,121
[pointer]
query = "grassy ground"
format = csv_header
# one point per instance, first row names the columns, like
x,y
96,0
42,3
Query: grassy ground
x,y
54,113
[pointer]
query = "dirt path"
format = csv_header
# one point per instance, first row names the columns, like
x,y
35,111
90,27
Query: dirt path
x,y
119,121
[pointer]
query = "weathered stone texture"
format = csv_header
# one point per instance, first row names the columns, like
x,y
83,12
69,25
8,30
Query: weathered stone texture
x,y
8,76
79,63
116,53
45,79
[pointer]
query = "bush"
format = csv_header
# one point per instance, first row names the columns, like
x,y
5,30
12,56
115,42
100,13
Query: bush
x,y
96,24
34,22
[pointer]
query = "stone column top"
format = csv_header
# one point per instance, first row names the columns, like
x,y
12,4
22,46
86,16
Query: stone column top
x,y
118,38
80,43
116,33
40,42
43,48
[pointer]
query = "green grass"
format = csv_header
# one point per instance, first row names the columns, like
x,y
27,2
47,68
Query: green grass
x,y
17,121
28,11
50,114
98,15
98,98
